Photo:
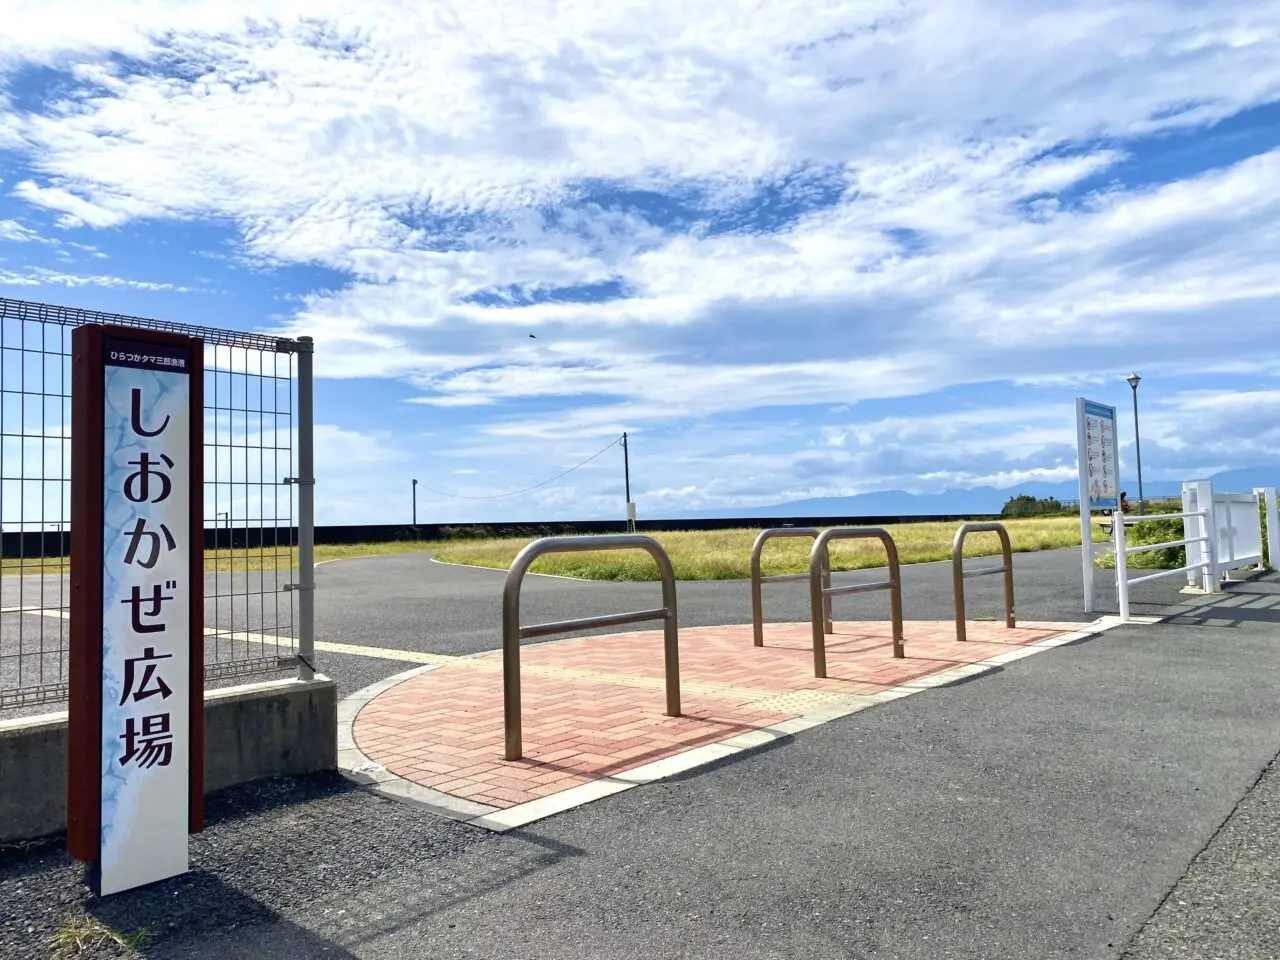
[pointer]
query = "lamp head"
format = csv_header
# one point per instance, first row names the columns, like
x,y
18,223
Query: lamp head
x,y
1134,380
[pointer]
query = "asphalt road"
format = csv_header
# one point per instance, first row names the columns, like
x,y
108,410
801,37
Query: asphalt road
x,y
1227,906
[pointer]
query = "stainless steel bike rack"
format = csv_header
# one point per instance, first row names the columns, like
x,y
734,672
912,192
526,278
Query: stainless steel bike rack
x,y
757,581
959,576
819,592
513,633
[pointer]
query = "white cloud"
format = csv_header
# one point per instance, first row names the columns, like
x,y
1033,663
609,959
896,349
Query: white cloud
x,y
15,232
77,211
42,276
338,446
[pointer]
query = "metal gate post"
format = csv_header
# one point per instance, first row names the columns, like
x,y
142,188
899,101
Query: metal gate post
x,y
306,481
1121,548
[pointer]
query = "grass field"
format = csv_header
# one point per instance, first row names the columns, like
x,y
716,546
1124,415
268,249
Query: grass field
x,y
699,555
239,561
726,554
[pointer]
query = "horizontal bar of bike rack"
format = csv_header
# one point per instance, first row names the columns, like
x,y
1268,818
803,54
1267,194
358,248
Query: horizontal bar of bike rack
x,y
589,623
858,588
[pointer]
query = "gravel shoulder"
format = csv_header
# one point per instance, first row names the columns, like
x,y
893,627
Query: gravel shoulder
x,y
1227,906
270,849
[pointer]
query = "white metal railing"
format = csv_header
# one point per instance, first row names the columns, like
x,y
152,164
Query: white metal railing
x,y
1236,522
1123,551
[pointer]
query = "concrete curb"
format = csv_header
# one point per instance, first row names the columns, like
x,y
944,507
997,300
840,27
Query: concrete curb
x,y
358,768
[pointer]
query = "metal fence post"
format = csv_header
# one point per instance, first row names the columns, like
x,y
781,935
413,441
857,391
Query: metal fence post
x,y
1204,501
1122,563
1268,495
306,481
1195,551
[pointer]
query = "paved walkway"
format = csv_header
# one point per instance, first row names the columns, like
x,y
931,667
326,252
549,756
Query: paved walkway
x,y
593,707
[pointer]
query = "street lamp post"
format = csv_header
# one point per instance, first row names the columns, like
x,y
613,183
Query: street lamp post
x,y
1134,380
216,517
415,502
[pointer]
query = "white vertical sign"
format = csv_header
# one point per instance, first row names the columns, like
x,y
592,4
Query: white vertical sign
x,y
1098,457
146,621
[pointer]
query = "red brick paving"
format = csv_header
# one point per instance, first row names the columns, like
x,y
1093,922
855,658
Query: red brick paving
x,y
444,729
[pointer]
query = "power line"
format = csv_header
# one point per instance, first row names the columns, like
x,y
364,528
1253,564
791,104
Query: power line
x,y
499,496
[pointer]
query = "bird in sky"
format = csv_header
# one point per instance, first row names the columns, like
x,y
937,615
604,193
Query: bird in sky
x,y
532,337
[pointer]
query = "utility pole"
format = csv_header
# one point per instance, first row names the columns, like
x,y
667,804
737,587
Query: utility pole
x,y
626,473
1134,380
415,502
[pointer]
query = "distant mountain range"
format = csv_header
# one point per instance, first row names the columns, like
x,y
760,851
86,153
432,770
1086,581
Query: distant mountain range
x,y
989,500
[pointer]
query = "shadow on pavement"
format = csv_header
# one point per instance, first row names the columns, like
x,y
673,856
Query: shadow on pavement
x,y
1252,600
408,896
278,863
184,917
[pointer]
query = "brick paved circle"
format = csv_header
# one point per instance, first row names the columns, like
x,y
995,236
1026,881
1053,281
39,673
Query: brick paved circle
x,y
593,706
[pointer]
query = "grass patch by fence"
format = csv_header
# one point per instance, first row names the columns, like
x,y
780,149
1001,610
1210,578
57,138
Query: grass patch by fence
x,y
726,554
1148,532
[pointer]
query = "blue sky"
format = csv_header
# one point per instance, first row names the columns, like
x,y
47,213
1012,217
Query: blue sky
x,y
795,249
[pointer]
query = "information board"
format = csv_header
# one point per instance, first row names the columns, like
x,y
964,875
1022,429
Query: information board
x,y
1099,463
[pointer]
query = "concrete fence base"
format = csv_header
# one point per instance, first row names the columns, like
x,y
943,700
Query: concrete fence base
x,y
278,728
